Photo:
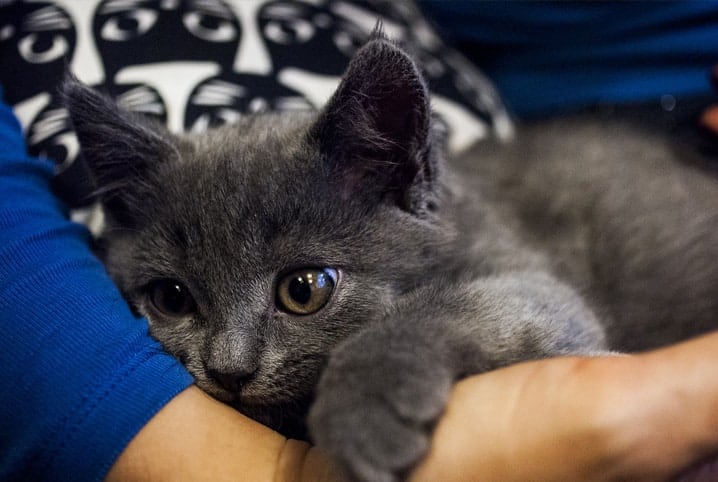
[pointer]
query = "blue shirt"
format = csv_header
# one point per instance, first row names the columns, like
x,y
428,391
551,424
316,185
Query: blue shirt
x,y
81,375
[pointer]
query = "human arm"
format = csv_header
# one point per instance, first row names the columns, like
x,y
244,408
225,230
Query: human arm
x,y
642,417
195,437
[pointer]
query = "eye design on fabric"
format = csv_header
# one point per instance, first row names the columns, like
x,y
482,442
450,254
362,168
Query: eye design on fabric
x,y
47,40
39,49
306,291
286,26
128,24
212,28
171,297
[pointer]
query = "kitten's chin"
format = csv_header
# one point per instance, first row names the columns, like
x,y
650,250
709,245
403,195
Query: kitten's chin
x,y
285,417
244,397
217,392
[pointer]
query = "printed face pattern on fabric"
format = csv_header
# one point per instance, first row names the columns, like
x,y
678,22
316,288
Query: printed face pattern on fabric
x,y
194,64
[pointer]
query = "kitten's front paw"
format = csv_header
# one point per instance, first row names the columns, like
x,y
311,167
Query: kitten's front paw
x,y
375,412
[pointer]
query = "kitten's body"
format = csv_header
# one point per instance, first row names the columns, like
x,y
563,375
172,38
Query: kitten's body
x,y
621,212
580,237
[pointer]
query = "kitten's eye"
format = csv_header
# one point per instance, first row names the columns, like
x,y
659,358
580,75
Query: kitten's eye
x,y
306,291
171,298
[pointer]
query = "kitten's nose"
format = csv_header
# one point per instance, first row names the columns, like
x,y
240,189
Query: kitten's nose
x,y
231,381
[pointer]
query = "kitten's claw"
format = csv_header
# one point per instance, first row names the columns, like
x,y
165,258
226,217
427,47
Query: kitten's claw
x,y
376,424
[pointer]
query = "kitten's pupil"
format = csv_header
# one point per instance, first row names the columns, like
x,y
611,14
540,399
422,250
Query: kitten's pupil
x,y
174,297
300,290
171,298
306,291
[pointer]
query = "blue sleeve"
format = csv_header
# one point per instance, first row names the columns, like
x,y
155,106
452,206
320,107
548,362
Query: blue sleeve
x,y
81,375
552,57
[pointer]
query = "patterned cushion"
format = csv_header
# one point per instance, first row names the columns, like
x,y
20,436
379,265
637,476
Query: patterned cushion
x,y
199,63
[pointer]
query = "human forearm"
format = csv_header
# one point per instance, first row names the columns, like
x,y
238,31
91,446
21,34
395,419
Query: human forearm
x,y
194,437
641,417
625,418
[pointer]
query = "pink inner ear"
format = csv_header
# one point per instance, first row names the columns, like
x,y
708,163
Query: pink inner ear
x,y
374,131
351,183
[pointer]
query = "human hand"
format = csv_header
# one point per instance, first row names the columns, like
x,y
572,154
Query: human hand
x,y
641,417
708,121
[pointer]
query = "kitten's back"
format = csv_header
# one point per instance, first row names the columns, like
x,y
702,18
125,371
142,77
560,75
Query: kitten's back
x,y
623,214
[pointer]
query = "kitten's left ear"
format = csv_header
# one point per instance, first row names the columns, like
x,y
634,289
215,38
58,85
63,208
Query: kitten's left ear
x,y
120,149
375,131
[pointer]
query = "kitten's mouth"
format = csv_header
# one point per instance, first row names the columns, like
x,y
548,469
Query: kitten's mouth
x,y
244,395
216,391
286,416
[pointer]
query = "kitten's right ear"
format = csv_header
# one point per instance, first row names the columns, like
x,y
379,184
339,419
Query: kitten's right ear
x,y
375,132
118,147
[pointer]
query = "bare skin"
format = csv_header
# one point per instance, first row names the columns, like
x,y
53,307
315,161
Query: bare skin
x,y
642,418
638,418
195,437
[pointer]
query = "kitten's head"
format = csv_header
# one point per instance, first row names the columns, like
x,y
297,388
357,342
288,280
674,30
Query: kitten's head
x,y
255,248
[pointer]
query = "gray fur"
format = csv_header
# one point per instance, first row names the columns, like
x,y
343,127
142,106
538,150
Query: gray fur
x,y
578,238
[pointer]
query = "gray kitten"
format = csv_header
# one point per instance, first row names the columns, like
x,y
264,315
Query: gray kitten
x,y
332,267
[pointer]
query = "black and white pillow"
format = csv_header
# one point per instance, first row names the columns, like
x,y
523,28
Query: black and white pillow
x,y
198,63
